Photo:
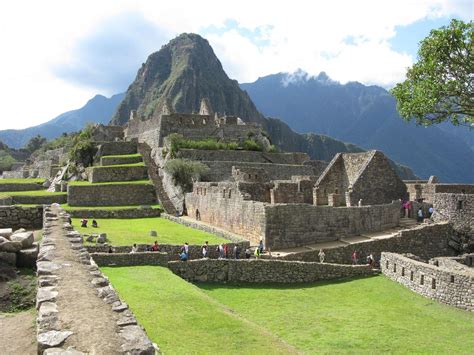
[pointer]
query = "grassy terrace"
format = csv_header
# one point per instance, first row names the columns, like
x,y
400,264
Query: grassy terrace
x,y
370,315
22,181
104,208
118,166
122,156
30,193
87,183
129,231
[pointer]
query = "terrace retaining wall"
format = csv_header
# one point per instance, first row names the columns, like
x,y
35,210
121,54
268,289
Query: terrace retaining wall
x,y
264,271
19,187
116,173
131,259
16,217
111,195
40,200
125,213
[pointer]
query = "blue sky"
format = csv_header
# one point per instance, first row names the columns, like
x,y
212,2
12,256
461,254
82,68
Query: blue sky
x,y
59,54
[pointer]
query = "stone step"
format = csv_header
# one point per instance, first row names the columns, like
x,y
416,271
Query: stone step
x,y
113,173
111,194
120,159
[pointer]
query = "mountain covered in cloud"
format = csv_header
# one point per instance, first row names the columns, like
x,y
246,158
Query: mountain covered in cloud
x,y
99,109
366,116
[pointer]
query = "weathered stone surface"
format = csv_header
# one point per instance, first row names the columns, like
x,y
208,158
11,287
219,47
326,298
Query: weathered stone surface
x,y
120,307
9,246
46,294
124,321
131,259
52,338
47,317
100,282
27,257
8,258
50,280
6,233
26,239
136,341
59,351
21,217
46,268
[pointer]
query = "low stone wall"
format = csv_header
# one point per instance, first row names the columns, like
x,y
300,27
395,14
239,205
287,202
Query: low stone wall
x,y
130,259
426,241
125,213
16,217
117,148
19,187
206,228
40,200
453,285
263,271
116,173
110,195
117,160
195,251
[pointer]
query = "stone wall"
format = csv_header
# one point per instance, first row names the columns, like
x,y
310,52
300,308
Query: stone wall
x,y
110,195
117,148
450,206
293,225
40,200
21,217
245,156
263,271
130,259
426,241
117,160
124,213
116,173
19,187
106,133
450,285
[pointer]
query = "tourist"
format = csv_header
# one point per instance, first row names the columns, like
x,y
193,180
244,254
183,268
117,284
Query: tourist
x,y
155,246
260,246
257,252
354,258
236,252
198,215
419,215
226,251
407,205
247,253
430,211
205,249
69,220
370,259
84,223
359,203
110,250
220,250
183,256
185,249
321,255
134,249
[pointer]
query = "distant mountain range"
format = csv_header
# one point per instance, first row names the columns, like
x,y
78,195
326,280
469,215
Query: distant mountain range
x,y
366,116
99,109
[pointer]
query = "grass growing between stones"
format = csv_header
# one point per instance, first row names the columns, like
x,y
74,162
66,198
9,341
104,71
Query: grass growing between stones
x,y
368,315
182,319
137,230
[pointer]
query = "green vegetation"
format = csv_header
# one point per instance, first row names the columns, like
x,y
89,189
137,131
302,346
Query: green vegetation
x,y
440,86
137,230
22,181
185,172
105,208
30,193
83,148
181,319
118,166
6,160
369,315
21,292
123,156
135,182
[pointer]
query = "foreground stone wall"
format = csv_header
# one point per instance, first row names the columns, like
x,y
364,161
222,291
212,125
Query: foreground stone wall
x,y
40,200
130,259
125,213
116,173
263,271
450,285
292,225
110,195
21,217
117,148
426,241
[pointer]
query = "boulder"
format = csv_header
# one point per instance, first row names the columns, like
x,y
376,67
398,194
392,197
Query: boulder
x,y
25,238
8,258
51,339
27,257
102,238
136,341
6,233
9,246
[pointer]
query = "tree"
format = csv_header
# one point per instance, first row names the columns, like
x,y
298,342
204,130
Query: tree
x,y
35,143
439,87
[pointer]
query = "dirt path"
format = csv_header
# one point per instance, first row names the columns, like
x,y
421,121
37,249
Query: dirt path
x,y
81,311
18,333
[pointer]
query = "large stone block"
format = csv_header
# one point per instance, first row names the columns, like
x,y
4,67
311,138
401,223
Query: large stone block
x,y
8,258
9,246
25,238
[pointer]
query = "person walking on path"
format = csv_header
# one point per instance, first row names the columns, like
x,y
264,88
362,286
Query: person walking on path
x,y
419,215
205,249
260,246
321,255
354,258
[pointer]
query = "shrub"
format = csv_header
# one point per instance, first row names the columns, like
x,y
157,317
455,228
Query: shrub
x,y
184,172
250,144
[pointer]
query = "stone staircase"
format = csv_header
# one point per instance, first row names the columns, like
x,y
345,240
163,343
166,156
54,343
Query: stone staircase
x,y
121,179
154,173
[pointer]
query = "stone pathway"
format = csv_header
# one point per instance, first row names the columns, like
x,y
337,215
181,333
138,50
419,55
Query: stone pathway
x,y
17,333
71,313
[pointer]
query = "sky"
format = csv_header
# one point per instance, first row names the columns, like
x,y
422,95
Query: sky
x,y
56,55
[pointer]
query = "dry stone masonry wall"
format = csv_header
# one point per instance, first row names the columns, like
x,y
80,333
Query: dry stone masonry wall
x,y
111,194
116,173
21,217
452,284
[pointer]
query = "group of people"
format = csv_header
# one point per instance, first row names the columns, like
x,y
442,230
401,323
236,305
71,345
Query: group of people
x,y
407,207
153,248
84,222
354,258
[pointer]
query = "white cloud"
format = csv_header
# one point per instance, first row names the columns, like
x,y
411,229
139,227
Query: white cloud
x,y
38,36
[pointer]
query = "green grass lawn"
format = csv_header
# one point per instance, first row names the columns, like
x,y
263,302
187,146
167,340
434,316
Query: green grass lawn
x,y
106,208
87,183
129,231
182,319
22,181
122,156
368,315
118,166
30,193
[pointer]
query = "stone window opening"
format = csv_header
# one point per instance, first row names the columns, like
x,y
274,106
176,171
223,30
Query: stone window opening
x,y
205,190
411,275
386,264
422,279
403,271
230,193
460,205
223,193
433,284
394,267
452,278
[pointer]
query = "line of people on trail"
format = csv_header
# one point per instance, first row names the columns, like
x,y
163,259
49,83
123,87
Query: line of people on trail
x,y
370,260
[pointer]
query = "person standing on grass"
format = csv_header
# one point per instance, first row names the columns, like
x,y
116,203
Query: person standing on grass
x,y
321,255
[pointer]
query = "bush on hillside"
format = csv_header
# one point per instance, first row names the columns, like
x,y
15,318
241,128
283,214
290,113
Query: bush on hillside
x,y
185,172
